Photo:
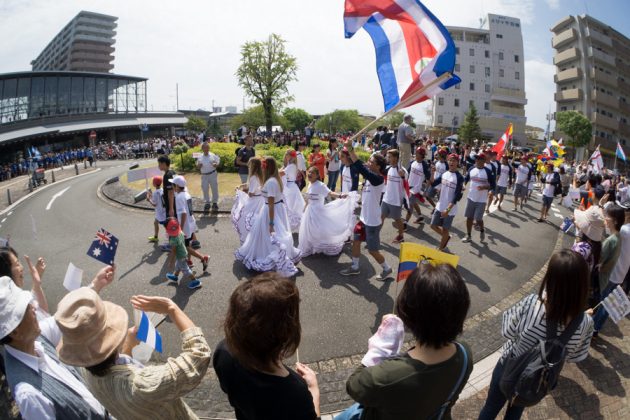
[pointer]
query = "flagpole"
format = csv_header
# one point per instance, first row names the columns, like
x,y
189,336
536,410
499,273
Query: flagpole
x,y
405,103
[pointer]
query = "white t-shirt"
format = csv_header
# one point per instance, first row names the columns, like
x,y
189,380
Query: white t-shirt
x,y
182,204
317,193
333,164
440,168
504,176
160,211
208,163
416,177
253,185
371,204
301,162
623,262
346,180
394,187
447,193
478,178
272,189
522,172
404,130
549,189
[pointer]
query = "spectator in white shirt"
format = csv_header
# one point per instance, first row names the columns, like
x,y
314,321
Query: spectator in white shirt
x,y
207,165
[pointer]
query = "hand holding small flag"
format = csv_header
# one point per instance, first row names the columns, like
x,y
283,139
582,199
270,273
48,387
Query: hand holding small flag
x,y
103,247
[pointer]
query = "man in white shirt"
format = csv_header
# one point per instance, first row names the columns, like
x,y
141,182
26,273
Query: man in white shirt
x,y
550,180
404,140
394,195
481,181
452,183
207,164
523,174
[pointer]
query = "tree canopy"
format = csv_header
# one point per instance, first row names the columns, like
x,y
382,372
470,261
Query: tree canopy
x,y
470,129
393,120
340,120
265,72
195,123
576,126
254,117
297,118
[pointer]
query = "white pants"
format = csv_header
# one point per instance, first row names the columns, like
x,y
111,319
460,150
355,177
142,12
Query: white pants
x,y
210,180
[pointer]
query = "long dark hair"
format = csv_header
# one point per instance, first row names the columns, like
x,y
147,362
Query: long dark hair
x,y
5,260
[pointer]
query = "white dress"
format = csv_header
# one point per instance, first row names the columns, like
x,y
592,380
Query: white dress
x,y
293,197
326,227
263,251
246,207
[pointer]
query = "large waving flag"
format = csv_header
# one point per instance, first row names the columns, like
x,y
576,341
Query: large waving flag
x,y
503,141
597,161
413,48
620,154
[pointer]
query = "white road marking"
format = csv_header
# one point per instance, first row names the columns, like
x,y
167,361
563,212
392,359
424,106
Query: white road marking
x,y
3,220
54,197
559,216
10,213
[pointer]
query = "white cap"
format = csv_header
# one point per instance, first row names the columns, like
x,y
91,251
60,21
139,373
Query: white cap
x,y
13,304
179,180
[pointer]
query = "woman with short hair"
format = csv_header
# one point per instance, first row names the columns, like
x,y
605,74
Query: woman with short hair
x,y
262,328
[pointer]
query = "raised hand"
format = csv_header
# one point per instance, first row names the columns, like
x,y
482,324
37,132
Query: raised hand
x,y
104,277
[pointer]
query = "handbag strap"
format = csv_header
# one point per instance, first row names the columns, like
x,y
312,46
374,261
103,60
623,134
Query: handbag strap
x,y
462,374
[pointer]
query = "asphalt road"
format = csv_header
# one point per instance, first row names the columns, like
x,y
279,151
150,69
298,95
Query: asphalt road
x,y
338,314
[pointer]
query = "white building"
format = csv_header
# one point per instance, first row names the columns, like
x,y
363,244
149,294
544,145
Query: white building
x,y
490,63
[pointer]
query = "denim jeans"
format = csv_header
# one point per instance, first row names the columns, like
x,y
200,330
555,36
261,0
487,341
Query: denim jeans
x,y
353,412
601,315
496,400
332,180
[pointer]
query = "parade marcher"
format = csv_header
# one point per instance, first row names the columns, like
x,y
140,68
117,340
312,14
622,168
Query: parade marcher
x,y
452,184
243,155
155,198
405,141
494,167
349,174
207,164
440,167
334,164
178,261
325,227
418,174
269,244
168,196
368,229
393,197
249,200
293,197
523,174
565,181
551,181
481,181
504,180
97,337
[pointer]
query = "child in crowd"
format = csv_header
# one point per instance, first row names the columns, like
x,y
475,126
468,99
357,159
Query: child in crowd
x,y
155,198
179,255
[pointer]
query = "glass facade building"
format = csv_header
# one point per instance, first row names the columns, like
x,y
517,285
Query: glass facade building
x,y
37,95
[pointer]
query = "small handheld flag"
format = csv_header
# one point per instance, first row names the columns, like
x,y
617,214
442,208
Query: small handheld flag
x,y
413,254
148,334
103,247
567,224
617,304
620,154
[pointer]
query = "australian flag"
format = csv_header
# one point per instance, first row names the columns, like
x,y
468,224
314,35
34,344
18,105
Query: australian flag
x,y
104,247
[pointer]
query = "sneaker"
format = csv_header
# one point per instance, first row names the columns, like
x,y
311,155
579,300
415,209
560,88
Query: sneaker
x,y
350,271
419,220
195,244
398,239
215,207
153,239
172,278
189,262
194,284
204,263
467,239
540,220
385,274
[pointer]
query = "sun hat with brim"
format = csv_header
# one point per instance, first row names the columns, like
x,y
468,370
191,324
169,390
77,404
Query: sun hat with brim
x,y
590,222
91,329
179,180
13,304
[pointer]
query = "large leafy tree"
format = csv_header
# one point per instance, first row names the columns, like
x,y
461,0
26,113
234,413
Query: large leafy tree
x,y
195,123
265,72
297,118
393,120
254,117
340,120
470,129
576,126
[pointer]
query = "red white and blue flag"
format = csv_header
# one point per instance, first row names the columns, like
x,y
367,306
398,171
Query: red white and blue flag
x,y
413,48
103,247
620,154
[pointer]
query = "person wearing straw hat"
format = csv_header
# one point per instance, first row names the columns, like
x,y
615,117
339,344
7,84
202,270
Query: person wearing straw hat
x,y
97,337
43,387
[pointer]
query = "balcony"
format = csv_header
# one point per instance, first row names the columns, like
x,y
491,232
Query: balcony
x,y
497,109
563,38
601,56
604,99
509,95
604,121
566,56
568,75
562,23
602,77
598,37
568,95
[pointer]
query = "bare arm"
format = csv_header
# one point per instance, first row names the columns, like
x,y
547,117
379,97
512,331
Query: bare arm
x,y
37,290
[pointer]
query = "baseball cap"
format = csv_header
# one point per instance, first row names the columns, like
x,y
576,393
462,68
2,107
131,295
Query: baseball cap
x,y
157,181
453,156
179,180
172,228
421,150
480,156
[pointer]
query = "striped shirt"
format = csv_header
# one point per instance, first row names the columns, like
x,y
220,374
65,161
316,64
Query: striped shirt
x,y
524,326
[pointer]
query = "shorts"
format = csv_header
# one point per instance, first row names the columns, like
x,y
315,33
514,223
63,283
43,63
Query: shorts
x,y
162,222
474,210
391,211
187,241
431,192
181,265
547,201
438,220
520,191
501,190
370,234
415,198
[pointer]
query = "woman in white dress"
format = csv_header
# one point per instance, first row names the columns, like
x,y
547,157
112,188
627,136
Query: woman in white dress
x,y
325,227
293,197
269,244
249,200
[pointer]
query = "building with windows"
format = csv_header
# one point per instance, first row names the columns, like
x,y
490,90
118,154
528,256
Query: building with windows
x,y
593,77
86,43
490,63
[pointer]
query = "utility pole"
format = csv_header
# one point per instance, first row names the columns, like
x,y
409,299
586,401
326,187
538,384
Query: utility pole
x,y
177,96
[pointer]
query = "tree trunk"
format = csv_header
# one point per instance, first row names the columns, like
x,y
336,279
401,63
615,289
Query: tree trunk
x,y
268,115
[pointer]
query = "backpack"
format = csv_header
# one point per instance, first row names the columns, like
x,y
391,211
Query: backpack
x,y
527,378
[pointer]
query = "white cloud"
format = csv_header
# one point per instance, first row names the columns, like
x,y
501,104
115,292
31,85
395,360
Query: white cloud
x,y
539,87
553,4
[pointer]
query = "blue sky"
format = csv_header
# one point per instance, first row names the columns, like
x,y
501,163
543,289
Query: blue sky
x,y
195,43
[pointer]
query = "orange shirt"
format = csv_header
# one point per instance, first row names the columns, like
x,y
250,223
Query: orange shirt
x,y
319,161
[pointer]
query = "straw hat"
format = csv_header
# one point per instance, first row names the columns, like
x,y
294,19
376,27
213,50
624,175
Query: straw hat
x,y
591,222
92,329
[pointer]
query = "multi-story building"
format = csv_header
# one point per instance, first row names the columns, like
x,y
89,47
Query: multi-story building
x,y
490,63
593,77
86,43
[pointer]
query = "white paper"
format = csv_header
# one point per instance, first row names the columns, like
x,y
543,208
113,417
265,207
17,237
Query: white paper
x,y
74,276
617,305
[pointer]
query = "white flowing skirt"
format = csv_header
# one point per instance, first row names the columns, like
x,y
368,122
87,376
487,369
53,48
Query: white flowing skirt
x,y
295,205
244,211
262,251
325,228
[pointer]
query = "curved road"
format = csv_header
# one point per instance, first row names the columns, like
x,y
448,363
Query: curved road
x,y
338,313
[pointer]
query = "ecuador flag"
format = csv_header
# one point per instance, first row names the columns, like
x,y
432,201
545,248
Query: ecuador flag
x,y
411,254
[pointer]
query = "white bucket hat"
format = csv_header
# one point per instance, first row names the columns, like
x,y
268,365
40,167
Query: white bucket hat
x,y
13,304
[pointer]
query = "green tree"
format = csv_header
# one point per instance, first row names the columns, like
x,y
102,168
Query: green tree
x,y
297,118
340,120
576,126
393,120
265,72
197,124
254,117
181,150
470,129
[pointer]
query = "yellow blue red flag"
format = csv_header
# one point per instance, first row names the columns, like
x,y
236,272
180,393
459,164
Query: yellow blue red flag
x,y
412,254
